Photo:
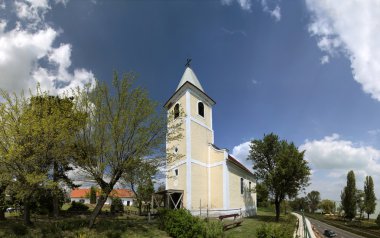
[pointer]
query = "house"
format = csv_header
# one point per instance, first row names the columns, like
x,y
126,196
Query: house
x,y
205,177
83,195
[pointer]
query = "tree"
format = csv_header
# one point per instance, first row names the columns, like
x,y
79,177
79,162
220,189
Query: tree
x,y
262,194
327,206
139,178
299,204
122,125
280,166
369,196
313,199
92,195
360,202
348,196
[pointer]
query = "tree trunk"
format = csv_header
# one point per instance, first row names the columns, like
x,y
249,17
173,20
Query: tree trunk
x,y
367,216
97,209
2,215
54,192
27,220
277,205
140,204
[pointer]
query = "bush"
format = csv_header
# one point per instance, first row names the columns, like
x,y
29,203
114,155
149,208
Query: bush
x,y
77,207
117,205
19,229
180,223
272,231
378,220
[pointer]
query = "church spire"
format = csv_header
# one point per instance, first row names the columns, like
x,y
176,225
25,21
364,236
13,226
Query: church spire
x,y
189,76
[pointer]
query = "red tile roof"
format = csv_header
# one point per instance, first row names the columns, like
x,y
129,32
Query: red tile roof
x,y
236,162
82,193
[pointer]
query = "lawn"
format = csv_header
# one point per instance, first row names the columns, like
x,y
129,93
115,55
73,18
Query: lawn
x,y
361,227
124,226
265,216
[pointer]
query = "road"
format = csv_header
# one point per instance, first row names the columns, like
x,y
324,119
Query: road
x,y
321,227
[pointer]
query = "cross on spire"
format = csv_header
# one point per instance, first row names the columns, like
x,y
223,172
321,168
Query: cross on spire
x,y
188,63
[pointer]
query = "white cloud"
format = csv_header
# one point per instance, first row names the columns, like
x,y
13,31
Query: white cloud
x,y
241,152
350,28
332,157
275,12
244,4
31,42
325,59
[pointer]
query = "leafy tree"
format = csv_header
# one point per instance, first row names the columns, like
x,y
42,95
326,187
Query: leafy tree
x,y
313,199
280,166
139,178
378,220
360,202
369,196
92,195
262,194
299,204
21,149
348,196
122,125
327,206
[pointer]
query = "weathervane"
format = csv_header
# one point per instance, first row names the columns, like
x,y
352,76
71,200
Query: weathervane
x,y
188,63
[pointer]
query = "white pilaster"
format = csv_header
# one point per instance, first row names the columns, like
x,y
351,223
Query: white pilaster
x,y
188,151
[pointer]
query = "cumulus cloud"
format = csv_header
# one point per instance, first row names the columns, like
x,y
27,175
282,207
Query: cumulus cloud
x,y
350,28
275,12
28,55
241,152
332,157
244,4
325,59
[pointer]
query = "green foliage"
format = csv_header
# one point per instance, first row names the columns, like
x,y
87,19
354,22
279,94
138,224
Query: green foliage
x,y
369,196
299,204
92,195
280,166
180,223
272,231
19,229
327,206
378,220
313,199
117,205
262,195
359,196
348,196
77,207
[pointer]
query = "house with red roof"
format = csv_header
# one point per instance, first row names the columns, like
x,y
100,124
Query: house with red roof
x,y
83,195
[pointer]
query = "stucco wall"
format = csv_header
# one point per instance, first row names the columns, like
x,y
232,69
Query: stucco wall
x,y
194,99
216,187
247,200
199,186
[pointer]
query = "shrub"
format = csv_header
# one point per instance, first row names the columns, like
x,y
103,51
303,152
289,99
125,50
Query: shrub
x,y
378,220
272,231
78,207
19,229
180,223
117,205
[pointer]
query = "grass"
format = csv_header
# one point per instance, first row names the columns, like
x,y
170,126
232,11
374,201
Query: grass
x,y
361,227
125,226
265,216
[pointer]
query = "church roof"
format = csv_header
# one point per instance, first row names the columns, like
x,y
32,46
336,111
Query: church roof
x,y
237,163
189,76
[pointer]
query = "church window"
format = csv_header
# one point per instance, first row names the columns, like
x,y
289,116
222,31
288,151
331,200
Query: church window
x,y
176,111
249,186
241,185
201,109
176,172
176,150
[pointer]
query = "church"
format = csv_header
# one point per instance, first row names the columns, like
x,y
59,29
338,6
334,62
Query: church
x,y
205,178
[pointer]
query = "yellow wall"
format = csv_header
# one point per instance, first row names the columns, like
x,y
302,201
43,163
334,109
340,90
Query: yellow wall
x,y
199,182
216,155
194,110
238,200
216,187
177,182
200,139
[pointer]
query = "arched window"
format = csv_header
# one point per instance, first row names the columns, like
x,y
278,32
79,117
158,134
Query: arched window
x,y
176,111
201,109
241,185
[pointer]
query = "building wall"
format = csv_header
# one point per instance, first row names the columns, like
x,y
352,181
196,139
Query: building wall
x,y
194,99
199,186
247,200
216,187
108,202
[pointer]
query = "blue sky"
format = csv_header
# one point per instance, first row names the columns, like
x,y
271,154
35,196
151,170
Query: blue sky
x,y
306,70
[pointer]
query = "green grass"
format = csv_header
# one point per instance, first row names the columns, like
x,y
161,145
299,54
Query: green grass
x,y
363,227
265,216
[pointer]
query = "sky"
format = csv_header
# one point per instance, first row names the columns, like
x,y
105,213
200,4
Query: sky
x,y
307,70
